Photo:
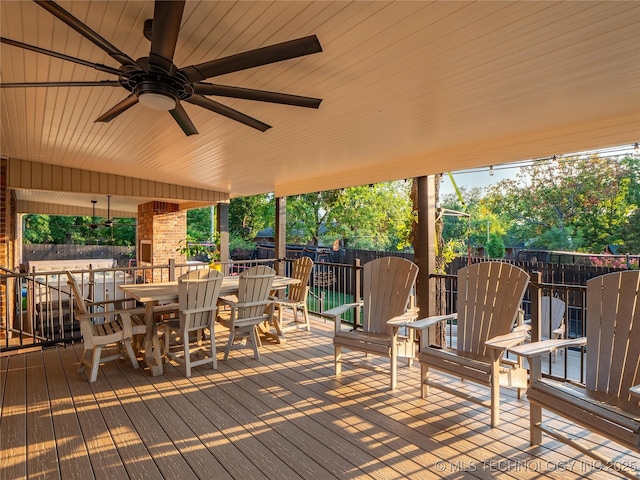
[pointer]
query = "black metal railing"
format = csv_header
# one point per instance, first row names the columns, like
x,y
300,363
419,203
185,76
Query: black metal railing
x,y
38,305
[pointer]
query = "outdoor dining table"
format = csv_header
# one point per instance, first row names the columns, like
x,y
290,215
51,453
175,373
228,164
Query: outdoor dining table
x,y
152,294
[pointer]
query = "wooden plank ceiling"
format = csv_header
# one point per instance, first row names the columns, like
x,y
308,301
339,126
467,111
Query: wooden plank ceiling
x,y
408,88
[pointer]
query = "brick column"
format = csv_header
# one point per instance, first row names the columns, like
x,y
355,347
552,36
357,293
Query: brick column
x,y
7,240
164,225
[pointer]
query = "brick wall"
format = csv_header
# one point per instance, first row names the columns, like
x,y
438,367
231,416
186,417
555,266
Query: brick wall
x,y
164,225
7,240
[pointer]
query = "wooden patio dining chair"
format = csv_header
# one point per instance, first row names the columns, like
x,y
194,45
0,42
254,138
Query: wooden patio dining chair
x,y
252,307
609,401
103,328
489,298
388,283
198,293
296,298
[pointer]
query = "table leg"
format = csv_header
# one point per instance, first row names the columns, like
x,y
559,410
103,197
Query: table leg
x,y
152,351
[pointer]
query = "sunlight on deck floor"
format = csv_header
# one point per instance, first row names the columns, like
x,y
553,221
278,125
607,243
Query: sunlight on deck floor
x,y
285,416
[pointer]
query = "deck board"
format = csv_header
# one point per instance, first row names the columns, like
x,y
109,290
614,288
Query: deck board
x,y
42,457
13,441
285,416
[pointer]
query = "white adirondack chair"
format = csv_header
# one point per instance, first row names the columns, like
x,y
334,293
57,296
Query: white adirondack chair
x,y
102,329
489,298
253,307
198,293
387,285
609,402
296,298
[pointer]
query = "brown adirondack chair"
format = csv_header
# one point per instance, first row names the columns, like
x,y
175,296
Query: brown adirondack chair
x,y
198,293
489,298
609,402
387,286
253,307
103,329
296,298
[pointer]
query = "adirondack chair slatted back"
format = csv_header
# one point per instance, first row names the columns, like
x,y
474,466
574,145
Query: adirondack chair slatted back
x,y
254,287
387,284
489,297
80,305
551,315
199,289
613,334
301,271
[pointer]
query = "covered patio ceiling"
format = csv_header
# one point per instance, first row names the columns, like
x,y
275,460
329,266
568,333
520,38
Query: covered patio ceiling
x,y
408,89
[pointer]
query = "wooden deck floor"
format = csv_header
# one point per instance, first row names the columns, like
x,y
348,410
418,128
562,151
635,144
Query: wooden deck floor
x,y
285,416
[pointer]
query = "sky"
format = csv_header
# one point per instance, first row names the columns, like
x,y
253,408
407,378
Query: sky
x,y
475,178
480,177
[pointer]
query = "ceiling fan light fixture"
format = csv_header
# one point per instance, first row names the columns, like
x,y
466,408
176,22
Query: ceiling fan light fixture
x,y
157,101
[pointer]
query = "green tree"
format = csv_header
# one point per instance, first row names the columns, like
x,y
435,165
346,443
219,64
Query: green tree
x,y
249,215
495,246
375,217
572,204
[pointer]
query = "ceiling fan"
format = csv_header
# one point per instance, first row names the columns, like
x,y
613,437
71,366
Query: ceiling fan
x,y
109,222
157,83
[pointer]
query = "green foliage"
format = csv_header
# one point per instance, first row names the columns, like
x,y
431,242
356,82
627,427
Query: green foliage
x,y
58,229
199,224
206,250
576,203
495,246
249,215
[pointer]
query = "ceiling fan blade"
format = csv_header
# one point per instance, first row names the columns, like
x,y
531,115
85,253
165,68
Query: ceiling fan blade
x,y
181,117
164,33
60,13
227,112
97,66
100,83
112,113
259,95
253,58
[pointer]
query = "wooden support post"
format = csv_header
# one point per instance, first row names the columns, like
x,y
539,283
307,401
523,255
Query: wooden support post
x,y
425,254
280,241
222,227
535,295
357,284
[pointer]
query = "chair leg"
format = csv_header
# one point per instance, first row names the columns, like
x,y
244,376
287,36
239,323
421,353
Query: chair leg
x,y
535,420
85,360
424,378
255,341
495,393
394,366
214,360
305,313
338,359
95,363
131,353
227,349
187,355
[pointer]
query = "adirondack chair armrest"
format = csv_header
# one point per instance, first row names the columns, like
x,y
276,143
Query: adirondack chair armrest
x,y
504,342
334,313
90,303
110,313
430,321
558,332
405,319
198,310
339,310
635,391
247,304
535,349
